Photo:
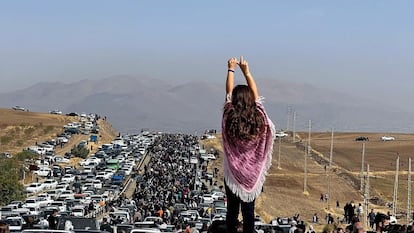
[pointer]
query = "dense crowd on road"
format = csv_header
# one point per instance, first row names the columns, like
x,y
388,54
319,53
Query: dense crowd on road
x,y
174,185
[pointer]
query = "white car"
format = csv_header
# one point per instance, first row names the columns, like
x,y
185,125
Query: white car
x,y
34,188
88,125
78,211
122,214
97,184
60,205
50,184
61,187
57,112
208,198
103,175
43,171
33,202
60,159
34,210
15,223
127,170
44,199
36,149
68,178
90,161
141,150
218,195
218,217
18,108
67,194
190,215
153,219
281,134
87,185
62,139
208,157
193,160
47,147
54,193
387,138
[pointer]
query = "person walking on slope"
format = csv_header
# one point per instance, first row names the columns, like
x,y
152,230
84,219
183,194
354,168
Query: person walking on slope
x,y
248,136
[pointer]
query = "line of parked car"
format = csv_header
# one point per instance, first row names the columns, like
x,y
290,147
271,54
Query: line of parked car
x,y
98,179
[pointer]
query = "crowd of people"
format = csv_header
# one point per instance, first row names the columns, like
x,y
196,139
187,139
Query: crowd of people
x,y
169,179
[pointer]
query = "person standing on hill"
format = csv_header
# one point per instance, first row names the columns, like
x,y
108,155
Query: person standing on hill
x,y
371,218
360,211
248,136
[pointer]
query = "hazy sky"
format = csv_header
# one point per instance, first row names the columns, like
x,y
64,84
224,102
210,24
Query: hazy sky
x,y
364,48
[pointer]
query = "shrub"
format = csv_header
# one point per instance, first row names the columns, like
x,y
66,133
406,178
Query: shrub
x,y
29,131
10,188
48,129
27,154
16,130
81,152
328,228
19,143
6,139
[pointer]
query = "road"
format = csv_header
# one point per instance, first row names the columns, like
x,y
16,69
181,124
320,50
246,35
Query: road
x,y
129,191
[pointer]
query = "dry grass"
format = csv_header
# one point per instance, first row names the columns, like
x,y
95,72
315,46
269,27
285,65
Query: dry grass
x,y
20,130
284,188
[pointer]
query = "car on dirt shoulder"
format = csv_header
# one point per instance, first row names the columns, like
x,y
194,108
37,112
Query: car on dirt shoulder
x,y
387,138
18,108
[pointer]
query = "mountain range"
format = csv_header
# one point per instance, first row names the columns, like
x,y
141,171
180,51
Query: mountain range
x,y
133,103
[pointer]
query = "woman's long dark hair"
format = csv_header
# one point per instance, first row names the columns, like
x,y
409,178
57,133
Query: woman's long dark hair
x,y
244,121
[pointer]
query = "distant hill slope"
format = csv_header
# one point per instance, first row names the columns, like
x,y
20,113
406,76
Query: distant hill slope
x,y
133,103
19,130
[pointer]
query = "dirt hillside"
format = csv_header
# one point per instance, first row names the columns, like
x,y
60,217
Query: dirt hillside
x,y
19,130
284,187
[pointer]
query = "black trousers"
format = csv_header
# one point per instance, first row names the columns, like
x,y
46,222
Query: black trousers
x,y
233,209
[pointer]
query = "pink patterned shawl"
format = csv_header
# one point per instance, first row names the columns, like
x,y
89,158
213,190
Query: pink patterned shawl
x,y
245,164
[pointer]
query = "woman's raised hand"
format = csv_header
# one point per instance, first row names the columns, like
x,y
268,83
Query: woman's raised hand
x,y
244,66
232,63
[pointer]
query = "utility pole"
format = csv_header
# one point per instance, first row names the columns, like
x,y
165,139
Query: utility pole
x,y
306,158
288,118
278,157
309,136
331,150
366,199
330,171
361,188
294,127
395,196
409,192
305,178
